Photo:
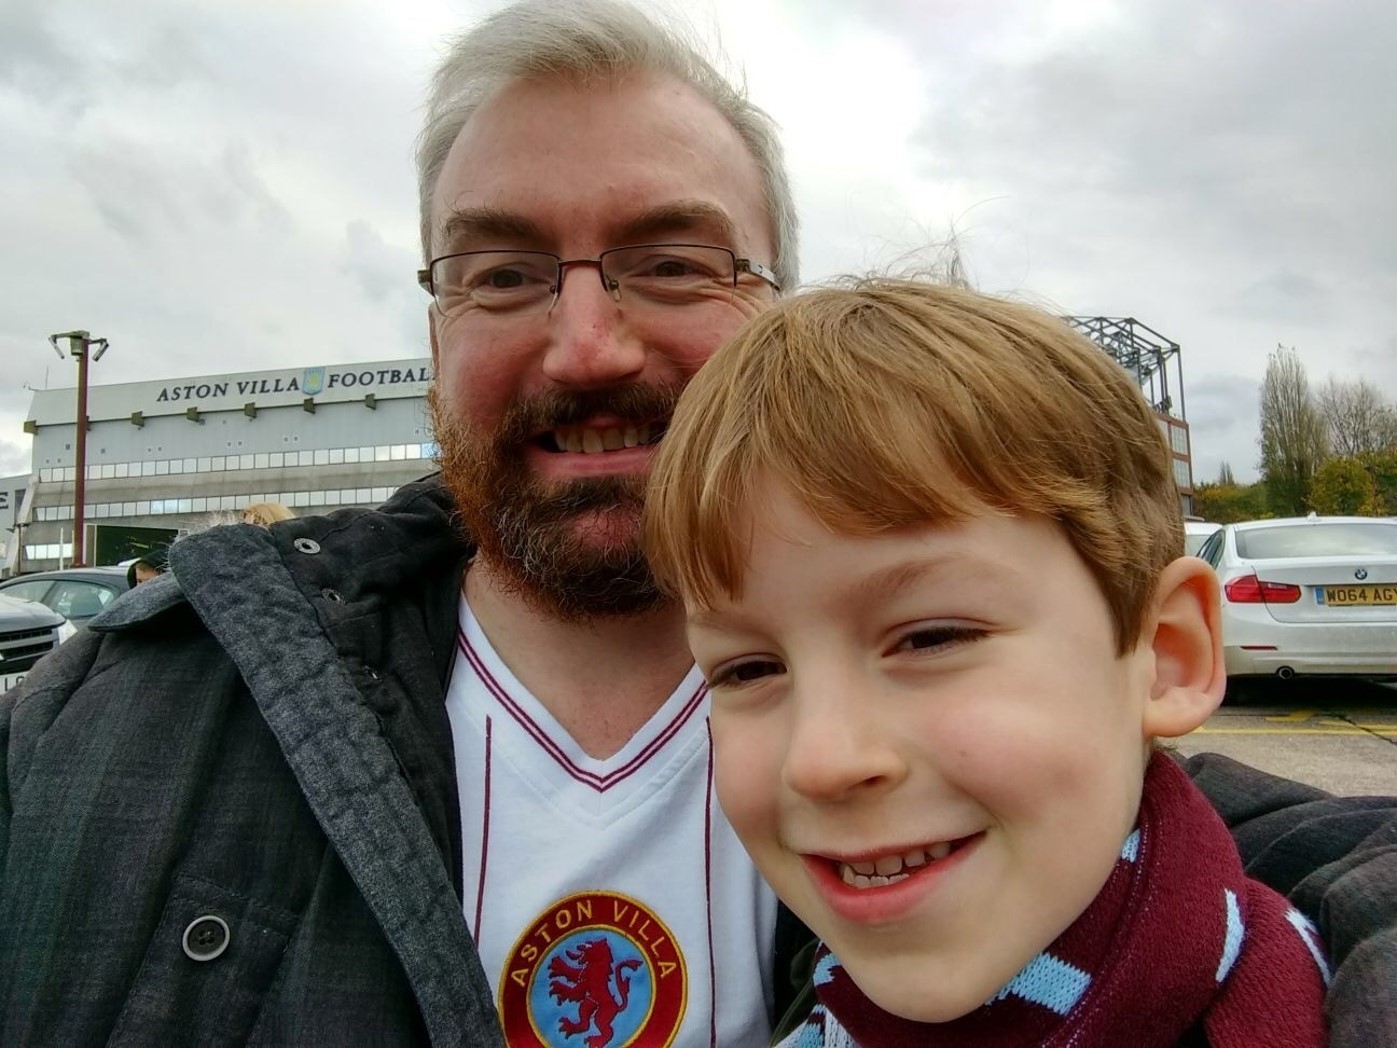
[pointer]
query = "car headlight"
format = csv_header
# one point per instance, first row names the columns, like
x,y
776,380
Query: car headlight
x,y
66,630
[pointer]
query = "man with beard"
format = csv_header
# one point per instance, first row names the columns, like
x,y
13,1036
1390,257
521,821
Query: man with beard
x,y
442,769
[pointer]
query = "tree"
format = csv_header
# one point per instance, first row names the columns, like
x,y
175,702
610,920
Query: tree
x,y
1343,486
1357,420
1225,477
1230,503
1293,443
1382,467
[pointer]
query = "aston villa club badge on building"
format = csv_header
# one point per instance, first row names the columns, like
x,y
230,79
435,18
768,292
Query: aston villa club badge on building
x,y
594,970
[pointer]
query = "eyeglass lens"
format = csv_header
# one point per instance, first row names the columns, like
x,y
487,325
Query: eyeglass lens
x,y
518,282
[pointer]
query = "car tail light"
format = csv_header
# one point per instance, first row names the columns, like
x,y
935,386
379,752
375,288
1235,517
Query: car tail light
x,y
1248,589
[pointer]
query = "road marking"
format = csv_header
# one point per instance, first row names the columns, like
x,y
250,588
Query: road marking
x,y
1295,715
1355,724
1385,729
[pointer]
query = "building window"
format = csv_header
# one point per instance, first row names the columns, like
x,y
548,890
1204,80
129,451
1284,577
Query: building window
x,y
1181,474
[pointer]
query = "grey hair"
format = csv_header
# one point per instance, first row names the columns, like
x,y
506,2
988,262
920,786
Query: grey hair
x,y
581,40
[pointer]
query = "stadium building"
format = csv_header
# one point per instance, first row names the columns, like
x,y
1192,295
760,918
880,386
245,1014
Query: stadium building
x,y
182,454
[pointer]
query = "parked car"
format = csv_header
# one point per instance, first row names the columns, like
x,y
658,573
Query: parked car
x,y
77,594
1197,532
28,632
1313,595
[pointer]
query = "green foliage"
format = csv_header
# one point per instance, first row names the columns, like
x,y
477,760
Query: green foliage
x,y
1230,503
1382,467
1225,477
1343,487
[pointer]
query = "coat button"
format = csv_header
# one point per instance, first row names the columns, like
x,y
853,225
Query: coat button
x,y
334,596
206,938
306,546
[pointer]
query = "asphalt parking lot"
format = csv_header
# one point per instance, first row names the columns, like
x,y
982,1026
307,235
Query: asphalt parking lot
x,y
1340,736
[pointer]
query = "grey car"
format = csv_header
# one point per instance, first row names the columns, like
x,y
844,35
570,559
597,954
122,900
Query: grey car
x,y
28,632
77,594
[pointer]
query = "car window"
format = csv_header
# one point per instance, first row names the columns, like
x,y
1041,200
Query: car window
x,y
1335,539
72,598
1212,548
28,590
1195,536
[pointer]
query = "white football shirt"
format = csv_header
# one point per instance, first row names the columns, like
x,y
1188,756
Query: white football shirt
x,y
611,902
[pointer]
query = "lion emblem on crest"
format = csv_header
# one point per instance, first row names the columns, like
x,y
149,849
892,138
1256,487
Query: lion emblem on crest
x,y
585,979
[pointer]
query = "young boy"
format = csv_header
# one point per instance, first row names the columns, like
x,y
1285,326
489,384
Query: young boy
x,y
930,545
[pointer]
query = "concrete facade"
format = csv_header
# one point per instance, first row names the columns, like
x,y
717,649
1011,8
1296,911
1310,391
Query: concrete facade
x,y
184,454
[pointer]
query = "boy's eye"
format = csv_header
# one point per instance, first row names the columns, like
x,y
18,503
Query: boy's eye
x,y
932,638
735,674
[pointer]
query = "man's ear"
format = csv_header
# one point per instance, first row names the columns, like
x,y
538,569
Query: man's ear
x,y
1185,636
432,337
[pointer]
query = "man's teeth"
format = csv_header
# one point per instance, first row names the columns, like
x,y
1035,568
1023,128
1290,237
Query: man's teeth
x,y
889,869
576,439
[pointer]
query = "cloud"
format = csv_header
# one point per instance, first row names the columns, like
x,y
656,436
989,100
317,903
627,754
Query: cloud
x,y
1206,119
376,266
32,61
1291,297
1223,412
144,195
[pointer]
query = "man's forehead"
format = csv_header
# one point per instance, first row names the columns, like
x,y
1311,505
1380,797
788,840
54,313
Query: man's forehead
x,y
546,160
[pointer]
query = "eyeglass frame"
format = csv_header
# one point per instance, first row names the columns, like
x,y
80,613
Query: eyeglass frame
x,y
739,266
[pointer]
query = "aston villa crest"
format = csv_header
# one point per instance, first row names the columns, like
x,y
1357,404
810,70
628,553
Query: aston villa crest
x,y
595,970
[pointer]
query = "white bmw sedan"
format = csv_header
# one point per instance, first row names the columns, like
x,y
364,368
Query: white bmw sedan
x,y
1312,595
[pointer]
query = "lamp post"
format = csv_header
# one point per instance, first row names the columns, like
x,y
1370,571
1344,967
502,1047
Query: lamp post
x,y
79,342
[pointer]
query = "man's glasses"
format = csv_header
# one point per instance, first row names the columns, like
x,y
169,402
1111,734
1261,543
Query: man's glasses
x,y
517,283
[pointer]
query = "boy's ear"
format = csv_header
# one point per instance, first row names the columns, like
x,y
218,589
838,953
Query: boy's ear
x,y
1185,637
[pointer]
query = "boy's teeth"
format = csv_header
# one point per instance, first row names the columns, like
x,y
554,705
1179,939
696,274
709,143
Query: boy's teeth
x,y
891,868
888,864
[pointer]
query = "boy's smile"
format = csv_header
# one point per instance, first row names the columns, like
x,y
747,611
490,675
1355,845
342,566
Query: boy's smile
x,y
860,891
927,742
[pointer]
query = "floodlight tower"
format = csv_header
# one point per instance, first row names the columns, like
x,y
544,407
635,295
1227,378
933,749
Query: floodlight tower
x,y
79,343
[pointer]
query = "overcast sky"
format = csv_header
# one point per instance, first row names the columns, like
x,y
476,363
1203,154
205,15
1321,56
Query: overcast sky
x,y
228,186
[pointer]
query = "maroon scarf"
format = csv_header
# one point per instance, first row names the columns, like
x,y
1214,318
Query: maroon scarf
x,y
1177,939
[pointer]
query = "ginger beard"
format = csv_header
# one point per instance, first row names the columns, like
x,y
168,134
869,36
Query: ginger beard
x,y
536,534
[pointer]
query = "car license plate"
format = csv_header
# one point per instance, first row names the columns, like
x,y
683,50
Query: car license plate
x,y
1358,596
9,680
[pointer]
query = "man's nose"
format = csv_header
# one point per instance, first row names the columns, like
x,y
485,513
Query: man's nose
x,y
590,344
838,746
